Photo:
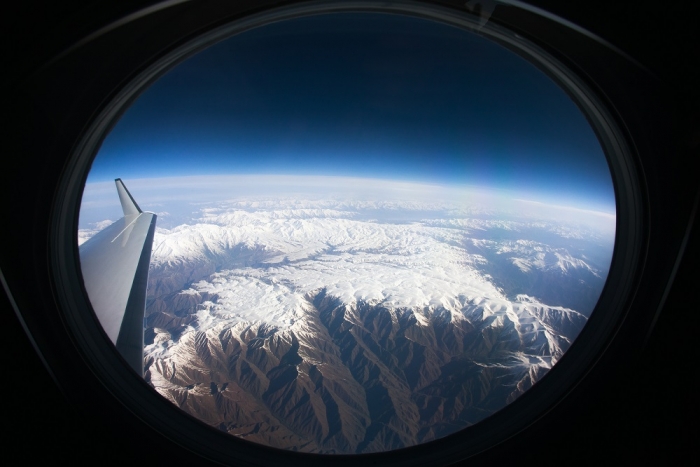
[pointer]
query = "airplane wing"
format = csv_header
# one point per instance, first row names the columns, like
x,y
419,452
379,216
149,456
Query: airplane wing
x,y
114,264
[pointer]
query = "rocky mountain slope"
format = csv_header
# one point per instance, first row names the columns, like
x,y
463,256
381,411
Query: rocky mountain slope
x,y
359,377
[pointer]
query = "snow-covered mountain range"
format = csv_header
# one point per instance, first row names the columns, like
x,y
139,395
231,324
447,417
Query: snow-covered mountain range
x,y
347,324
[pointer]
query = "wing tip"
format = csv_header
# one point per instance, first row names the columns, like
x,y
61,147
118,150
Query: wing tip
x,y
129,205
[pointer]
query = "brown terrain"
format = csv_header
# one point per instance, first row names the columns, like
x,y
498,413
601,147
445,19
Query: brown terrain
x,y
349,377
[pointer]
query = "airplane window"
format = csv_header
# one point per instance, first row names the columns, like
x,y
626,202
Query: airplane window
x,y
354,232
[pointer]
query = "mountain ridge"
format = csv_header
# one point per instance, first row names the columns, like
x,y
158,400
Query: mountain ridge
x,y
359,377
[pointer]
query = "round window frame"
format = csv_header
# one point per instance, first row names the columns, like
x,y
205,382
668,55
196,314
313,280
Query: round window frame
x,y
132,390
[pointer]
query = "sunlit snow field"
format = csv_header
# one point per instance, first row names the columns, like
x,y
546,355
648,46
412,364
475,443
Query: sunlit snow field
x,y
398,243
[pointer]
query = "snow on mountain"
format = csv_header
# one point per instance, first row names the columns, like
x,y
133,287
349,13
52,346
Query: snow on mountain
x,y
402,265
346,247
362,317
528,254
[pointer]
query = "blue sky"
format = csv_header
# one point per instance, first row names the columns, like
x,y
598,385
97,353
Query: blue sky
x,y
362,95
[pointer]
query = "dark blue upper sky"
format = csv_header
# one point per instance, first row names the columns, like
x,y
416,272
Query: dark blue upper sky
x,y
371,95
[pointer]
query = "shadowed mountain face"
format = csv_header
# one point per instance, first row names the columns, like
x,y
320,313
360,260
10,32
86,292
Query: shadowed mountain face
x,y
360,377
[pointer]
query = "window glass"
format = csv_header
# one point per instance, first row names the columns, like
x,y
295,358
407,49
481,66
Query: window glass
x,y
373,230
